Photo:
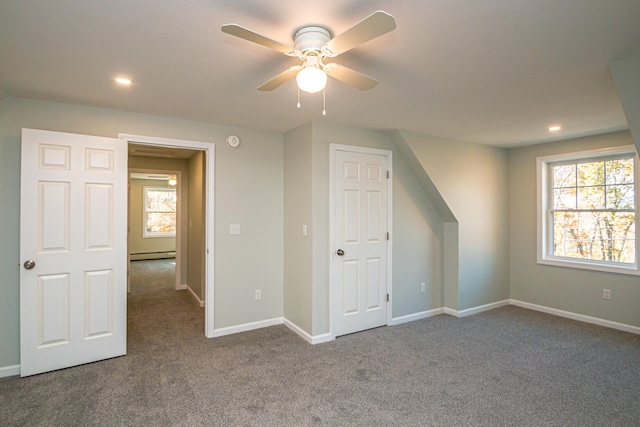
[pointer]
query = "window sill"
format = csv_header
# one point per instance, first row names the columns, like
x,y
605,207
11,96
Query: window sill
x,y
628,269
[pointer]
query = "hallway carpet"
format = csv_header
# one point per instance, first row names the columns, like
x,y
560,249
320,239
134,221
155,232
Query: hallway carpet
x,y
505,367
152,275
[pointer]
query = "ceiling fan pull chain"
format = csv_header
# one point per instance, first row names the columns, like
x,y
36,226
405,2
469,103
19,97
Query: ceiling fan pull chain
x,y
324,101
298,97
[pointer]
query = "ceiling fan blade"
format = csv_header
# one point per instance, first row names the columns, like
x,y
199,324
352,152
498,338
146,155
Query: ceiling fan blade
x,y
374,25
350,77
280,78
252,36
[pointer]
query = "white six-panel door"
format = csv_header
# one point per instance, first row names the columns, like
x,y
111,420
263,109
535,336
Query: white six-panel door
x,y
360,240
73,229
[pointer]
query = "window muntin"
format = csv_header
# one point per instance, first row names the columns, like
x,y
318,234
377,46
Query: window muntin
x,y
589,210
159,212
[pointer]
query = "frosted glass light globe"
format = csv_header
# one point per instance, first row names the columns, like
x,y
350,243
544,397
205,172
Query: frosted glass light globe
x,y
311,79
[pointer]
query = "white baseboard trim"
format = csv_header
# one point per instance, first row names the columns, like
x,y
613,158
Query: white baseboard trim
x,y
247,327
416,316
318,339
576,316
195,295
476,310
9,371
181,288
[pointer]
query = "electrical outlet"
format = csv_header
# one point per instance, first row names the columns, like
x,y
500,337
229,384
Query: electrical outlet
x,y
423,287
234,228
606,293
304,229
258,294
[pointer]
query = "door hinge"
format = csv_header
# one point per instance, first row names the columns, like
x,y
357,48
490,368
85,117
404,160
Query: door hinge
x,y
387,235
387,297
387,174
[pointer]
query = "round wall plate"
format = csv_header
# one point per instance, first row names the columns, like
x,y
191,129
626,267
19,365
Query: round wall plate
x,y
233,141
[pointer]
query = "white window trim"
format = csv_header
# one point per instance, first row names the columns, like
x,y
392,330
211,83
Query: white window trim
x,y
544,239
146,235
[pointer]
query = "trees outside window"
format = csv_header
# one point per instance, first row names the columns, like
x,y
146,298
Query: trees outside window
x,y
159,212
587,209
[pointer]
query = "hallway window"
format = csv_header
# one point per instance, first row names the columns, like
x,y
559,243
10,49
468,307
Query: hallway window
x,y
159,212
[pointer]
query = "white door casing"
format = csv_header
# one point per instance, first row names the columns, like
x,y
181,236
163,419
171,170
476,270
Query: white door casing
x,y
360,241
73,226
209,149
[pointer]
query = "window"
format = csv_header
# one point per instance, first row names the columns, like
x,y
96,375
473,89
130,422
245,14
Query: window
x,y
159,212
587,210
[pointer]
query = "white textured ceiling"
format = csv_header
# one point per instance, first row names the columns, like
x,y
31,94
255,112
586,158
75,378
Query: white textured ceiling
x,y
495,72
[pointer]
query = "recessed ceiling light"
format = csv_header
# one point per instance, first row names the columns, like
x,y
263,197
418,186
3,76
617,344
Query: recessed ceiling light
x,y
123,81
555,128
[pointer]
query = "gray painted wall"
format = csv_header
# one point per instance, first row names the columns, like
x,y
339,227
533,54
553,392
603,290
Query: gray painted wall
x,y
249,191
562,288
298,211
196,227
473,181
9,245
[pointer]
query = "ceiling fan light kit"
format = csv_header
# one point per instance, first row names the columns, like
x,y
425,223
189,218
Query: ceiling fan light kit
x,y
313,44
311,78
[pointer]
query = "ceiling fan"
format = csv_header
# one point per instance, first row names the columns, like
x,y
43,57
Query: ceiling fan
x,y
313,44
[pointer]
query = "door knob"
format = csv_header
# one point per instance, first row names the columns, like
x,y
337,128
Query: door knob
x,y
29,264
340,252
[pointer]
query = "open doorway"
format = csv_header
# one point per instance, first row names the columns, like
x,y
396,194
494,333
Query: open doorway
x,y
191,163
155,215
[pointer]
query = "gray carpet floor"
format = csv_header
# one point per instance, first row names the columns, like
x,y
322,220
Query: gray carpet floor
x,y
505,367
152,275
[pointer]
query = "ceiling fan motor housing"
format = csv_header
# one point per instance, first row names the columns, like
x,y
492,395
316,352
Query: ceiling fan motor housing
x,y
311,38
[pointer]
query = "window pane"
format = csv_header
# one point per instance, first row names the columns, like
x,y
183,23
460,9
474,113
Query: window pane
x,y
564,198
604,236
161,200
619,171
161,223
591,198
620,197
590,174
564,176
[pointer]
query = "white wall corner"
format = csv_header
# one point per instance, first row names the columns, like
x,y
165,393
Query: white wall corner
x,y
575,316
476,310
322,338
9,371
198,300
317,339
